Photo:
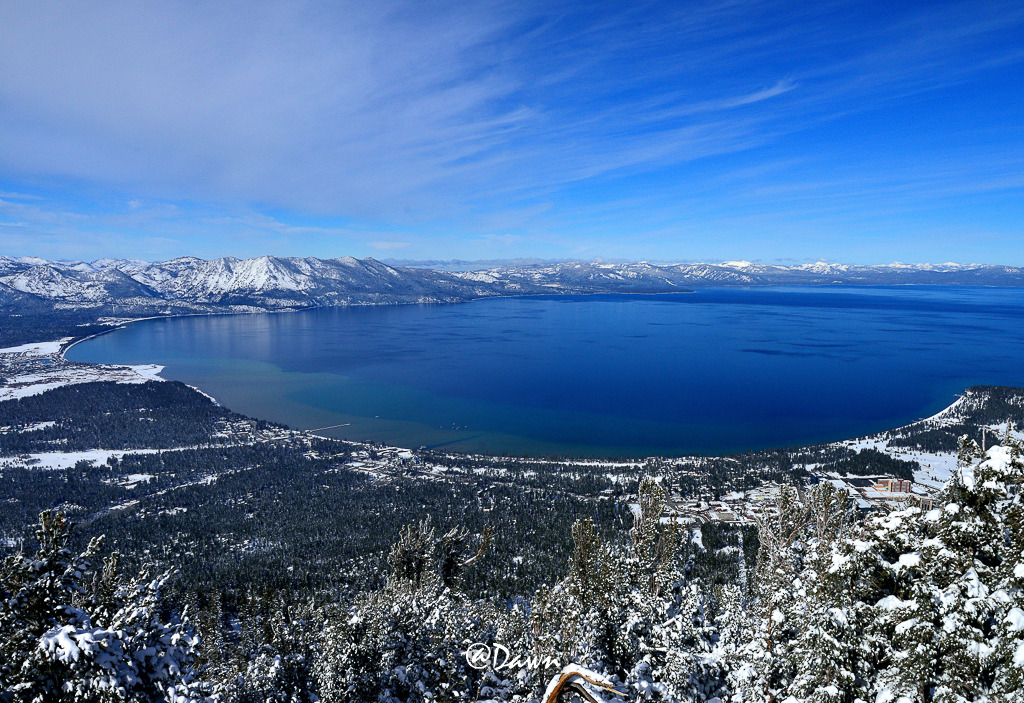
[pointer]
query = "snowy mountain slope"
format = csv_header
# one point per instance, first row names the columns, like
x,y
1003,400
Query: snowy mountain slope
x,y
8,294
267,282
578,277
76,283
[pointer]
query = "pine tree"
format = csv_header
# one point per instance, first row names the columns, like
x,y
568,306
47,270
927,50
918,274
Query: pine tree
x,y
408,641
805,641
825,649
964,556
61,642
946,588
1008,594
766,666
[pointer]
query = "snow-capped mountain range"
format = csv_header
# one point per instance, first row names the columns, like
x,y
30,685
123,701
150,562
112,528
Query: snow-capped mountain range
x,y
270,282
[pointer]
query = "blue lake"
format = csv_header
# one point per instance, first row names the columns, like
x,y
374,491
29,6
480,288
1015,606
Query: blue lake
x,y
713,371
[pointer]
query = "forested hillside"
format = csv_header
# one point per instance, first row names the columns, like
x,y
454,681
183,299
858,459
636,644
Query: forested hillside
x,y
907,605
153,415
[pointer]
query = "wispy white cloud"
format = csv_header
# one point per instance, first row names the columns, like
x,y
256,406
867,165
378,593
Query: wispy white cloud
x,y
355,118
388,246
7,195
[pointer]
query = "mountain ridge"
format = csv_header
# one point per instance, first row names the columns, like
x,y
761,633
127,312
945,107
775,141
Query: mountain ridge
x,y
272,282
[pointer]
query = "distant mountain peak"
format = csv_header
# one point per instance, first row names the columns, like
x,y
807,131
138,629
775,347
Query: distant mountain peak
x,y
271,282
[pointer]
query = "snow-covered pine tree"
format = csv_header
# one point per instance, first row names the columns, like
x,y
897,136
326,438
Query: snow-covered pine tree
x,y
825,650
277,667
691,665
732,625
765,667
963,556
1005,465
61,642
625,610
642,580
407,642
805,641
946,589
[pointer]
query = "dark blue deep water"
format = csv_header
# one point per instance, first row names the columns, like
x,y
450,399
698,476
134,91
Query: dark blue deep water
x,y
705,372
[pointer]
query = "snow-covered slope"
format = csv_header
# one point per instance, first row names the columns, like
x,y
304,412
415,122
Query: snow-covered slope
x,y
264,282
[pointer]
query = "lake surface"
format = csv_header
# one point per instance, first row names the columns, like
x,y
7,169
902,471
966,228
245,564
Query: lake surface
x,y
707,372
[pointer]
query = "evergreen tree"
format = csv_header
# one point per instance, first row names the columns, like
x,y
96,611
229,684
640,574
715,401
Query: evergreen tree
x,y
61,642
766,666
408,641
825,650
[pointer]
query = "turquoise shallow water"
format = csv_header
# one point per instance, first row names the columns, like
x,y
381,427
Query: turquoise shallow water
x,y
706,372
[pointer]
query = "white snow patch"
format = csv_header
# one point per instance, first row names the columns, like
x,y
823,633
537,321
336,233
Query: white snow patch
x,y
1015,618
149,372
37,348
908,561
132,480
894,603
28,428
25,391
66,460
838,562
34,384
936,468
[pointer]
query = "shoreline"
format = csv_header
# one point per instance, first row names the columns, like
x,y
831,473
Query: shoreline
x,y
637,459
587,453
934,466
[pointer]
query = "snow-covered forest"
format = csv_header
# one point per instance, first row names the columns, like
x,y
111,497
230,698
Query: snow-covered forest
x,y
906,605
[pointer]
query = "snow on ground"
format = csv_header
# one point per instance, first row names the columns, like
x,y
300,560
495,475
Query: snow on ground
x,y
66,460
132,480
998,432
28,428
42,381
936,468
21,391
677,520
149,372
197,390
32,369
948,414
36,348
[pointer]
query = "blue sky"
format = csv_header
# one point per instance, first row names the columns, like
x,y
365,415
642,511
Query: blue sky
x,y
771,131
